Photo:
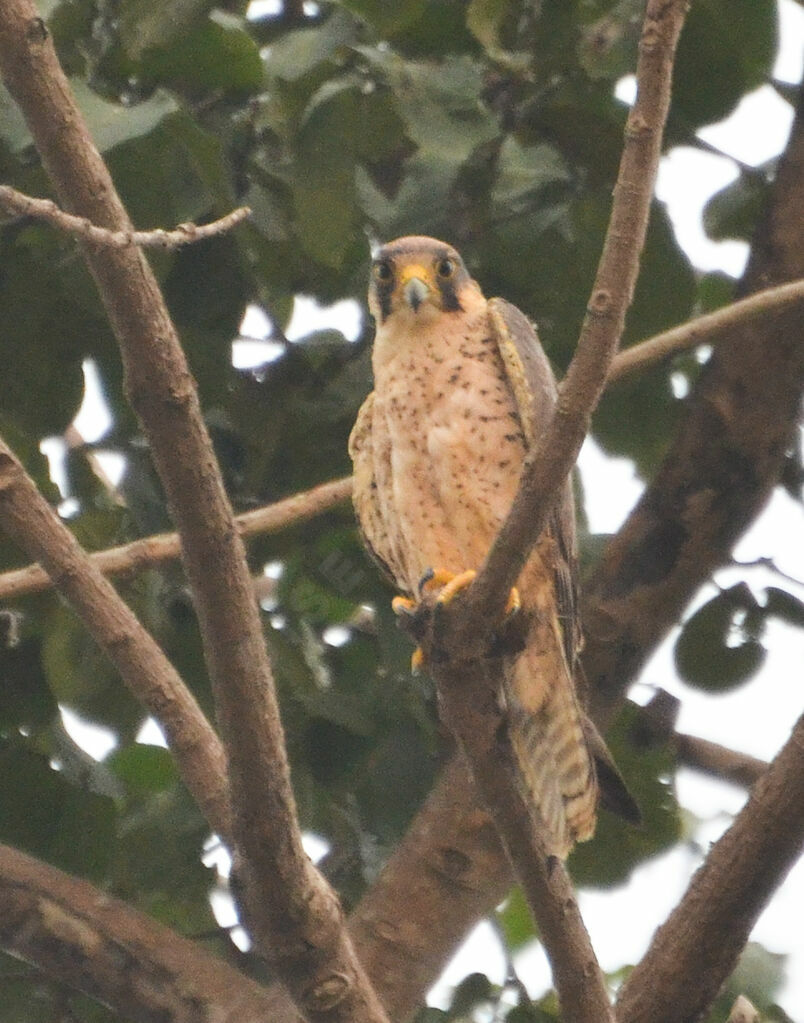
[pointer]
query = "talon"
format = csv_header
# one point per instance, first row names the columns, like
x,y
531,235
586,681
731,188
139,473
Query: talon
x,y
417,661
433,578
403,606
455,584
514,603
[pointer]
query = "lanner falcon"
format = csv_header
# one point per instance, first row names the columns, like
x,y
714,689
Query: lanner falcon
x,y
462,389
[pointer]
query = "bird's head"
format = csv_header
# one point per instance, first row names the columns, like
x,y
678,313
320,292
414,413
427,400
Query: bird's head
x,y
416,278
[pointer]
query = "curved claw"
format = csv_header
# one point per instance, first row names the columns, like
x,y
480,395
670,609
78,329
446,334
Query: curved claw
x,y
455,584
403,606
514,603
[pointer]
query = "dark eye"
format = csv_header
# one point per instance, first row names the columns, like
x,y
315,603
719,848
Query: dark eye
x,y
383,270
445,267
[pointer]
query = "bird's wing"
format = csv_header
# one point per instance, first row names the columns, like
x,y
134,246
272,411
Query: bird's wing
x,y
534,388
365,498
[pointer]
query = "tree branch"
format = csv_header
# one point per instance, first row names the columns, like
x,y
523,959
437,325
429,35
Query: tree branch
x,y
457,641
696,949
164,547
295,916
550,462
656,725
709,329
98,945
718,761
30,521
184,234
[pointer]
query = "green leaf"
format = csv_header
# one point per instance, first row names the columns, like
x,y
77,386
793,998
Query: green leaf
x,y
717,648
112,123
471,992
385,18
145,770
46,816
522,171
724,52
298,53
733,212
216,54
516,921
783,605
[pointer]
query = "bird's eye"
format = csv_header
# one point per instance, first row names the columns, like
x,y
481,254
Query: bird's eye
x,y
445,268
383,271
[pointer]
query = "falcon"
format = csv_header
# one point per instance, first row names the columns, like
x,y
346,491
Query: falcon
x,y
462,391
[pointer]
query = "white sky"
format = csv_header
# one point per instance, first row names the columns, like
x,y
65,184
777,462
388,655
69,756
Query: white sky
x,y
756,718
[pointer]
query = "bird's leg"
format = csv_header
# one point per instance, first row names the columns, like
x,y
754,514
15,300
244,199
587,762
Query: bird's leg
x,y
449,584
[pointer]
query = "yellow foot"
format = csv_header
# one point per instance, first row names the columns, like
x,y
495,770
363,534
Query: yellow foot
x,y
449,584
452,584
405,606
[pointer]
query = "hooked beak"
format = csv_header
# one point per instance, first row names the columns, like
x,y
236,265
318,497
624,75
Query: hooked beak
x,y
415,291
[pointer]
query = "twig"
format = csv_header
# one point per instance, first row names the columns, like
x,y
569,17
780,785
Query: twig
x,y
155,550
295,916
30,521
696,949
98,945
184,234
550,462
656,724
719,761
704,329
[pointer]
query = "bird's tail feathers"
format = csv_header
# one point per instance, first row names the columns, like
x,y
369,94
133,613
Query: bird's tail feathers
x,y
556,767
614,794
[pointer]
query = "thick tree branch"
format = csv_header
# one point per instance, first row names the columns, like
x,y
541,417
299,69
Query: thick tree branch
x,y
473,711
696,949
30,521
165,547
95,944
295,916
184,234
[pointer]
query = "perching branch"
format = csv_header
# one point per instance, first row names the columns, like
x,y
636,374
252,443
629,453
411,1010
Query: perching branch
x,y
81,227
295,916
698,946
31,522
96,944
164,547
457,643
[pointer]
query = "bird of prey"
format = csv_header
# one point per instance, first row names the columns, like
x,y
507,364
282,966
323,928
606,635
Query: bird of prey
x,y
462,390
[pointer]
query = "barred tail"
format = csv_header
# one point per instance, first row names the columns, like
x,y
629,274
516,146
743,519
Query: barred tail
x,y
555,764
